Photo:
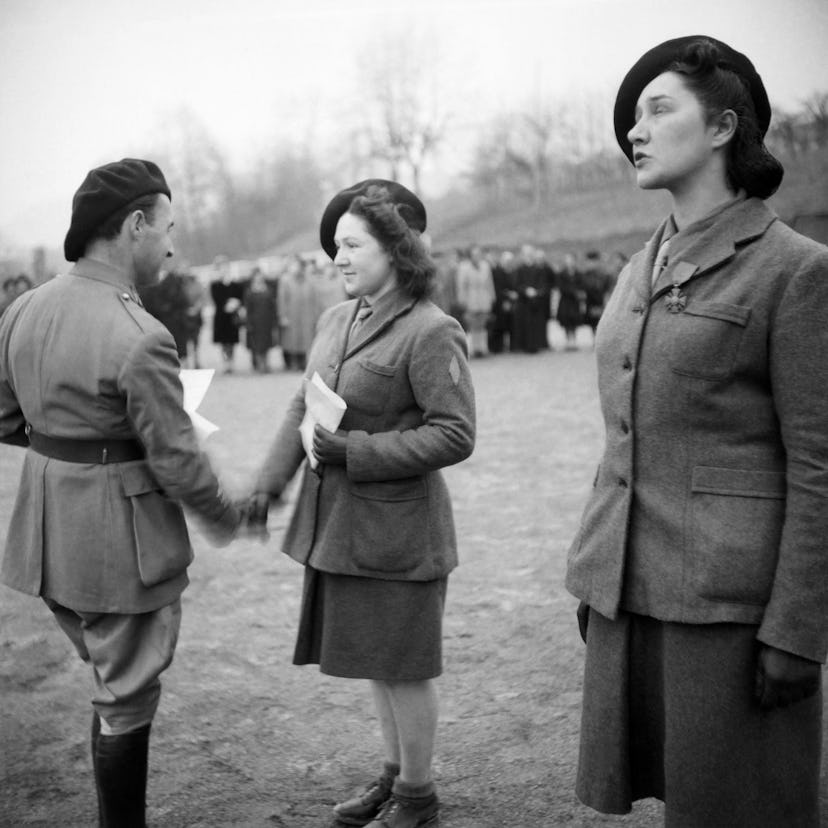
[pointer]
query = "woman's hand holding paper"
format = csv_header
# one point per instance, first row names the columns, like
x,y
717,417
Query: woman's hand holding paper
x,y
330,447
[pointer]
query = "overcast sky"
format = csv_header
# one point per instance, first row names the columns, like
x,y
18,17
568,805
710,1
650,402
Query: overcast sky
x,y
83,82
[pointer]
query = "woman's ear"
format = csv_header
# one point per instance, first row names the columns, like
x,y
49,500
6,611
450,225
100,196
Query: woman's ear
x,y
725,127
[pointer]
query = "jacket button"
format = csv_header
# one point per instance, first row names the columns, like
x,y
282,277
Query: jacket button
x,y
622,482
624,427
627,364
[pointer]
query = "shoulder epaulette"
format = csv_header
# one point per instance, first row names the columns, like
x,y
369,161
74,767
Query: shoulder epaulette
x,y
136,312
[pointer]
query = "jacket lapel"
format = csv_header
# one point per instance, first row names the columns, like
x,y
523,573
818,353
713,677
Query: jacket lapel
x,y
742,222
384,315
642,264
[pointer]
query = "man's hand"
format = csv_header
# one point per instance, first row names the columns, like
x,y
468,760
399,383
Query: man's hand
x,y
783,678
330,448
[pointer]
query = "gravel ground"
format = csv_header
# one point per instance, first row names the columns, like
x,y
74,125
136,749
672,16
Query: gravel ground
x,y
243,738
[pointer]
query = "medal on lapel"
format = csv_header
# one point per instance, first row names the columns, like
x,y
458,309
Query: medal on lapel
x,y
675,300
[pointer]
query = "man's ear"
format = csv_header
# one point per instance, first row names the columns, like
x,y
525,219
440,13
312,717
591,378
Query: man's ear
x,y
726,123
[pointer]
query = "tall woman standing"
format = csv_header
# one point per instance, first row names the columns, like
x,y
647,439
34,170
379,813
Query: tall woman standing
x,y
700,561
373,524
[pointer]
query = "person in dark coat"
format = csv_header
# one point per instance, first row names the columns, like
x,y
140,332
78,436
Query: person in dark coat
x,y
503,307
531,312
570,312
194,317
260,319
373,522
167,302
227,295
700,562
596,285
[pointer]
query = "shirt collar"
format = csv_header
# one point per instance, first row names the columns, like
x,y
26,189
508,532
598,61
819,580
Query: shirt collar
x,y
101,272
384,301
705,221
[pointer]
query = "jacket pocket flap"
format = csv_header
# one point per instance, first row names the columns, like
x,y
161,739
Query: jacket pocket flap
x,y
137,479
738,314
376,368
739,482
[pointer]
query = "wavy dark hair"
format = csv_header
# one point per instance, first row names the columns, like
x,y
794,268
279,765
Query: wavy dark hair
x,y
718,87
386,222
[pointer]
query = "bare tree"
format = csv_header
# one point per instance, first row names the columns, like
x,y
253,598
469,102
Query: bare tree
x,y
279,200
817,109
200,182
549,145
406,114
786,132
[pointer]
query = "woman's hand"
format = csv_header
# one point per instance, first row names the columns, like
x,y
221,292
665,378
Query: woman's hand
x,y
330,448
254,511
783,678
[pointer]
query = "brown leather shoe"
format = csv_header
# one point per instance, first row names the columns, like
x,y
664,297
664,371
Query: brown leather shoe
x,y
403,812
362,808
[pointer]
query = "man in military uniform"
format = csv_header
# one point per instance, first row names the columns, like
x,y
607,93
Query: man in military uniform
x,y
90,382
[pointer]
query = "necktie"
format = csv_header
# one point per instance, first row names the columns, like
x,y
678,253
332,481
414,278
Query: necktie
x,y
660,260
361,315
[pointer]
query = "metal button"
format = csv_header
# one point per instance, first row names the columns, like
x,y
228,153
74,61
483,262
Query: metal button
x,y
627,366
622,483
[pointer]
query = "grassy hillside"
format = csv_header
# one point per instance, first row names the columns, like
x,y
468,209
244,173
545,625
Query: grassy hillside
x,y
618,216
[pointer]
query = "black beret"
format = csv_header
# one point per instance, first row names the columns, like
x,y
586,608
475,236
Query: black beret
x,y
411,209
657,60
104,191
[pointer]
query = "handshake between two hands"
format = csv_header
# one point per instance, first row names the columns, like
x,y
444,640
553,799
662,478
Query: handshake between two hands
x,y
329,448
253,511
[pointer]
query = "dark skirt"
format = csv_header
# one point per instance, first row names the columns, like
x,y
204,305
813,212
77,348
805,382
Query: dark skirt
x,y
369,628
669,713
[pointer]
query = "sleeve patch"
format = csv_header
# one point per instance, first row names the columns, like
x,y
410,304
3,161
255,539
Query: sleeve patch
x,y
454,370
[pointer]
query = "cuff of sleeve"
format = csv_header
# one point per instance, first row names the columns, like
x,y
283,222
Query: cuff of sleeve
x,y
810,646
353,454
223,529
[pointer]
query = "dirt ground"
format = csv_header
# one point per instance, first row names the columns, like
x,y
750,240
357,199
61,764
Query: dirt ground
x,y
244,738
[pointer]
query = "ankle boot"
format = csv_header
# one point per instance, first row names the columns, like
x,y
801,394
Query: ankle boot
x,y
410,806
362,808
121,775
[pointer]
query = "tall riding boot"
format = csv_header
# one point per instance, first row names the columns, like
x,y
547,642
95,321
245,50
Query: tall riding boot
x,y
121,773
96,732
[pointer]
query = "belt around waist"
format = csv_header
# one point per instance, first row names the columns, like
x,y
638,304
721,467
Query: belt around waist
x,y
86,451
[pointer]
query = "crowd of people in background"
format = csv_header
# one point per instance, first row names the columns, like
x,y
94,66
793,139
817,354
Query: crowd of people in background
x,y
258,311
504,299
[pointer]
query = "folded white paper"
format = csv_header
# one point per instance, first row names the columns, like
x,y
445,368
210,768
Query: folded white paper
x,y
323,406
196,381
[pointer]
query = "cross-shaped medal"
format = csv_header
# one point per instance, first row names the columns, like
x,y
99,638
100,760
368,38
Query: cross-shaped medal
x,y
675,300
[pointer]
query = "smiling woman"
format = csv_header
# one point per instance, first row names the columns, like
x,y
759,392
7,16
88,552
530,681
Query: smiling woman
x,y
700,560
373,525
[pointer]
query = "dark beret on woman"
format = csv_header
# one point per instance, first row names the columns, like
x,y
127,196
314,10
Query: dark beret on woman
x,y
660,59
409,206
